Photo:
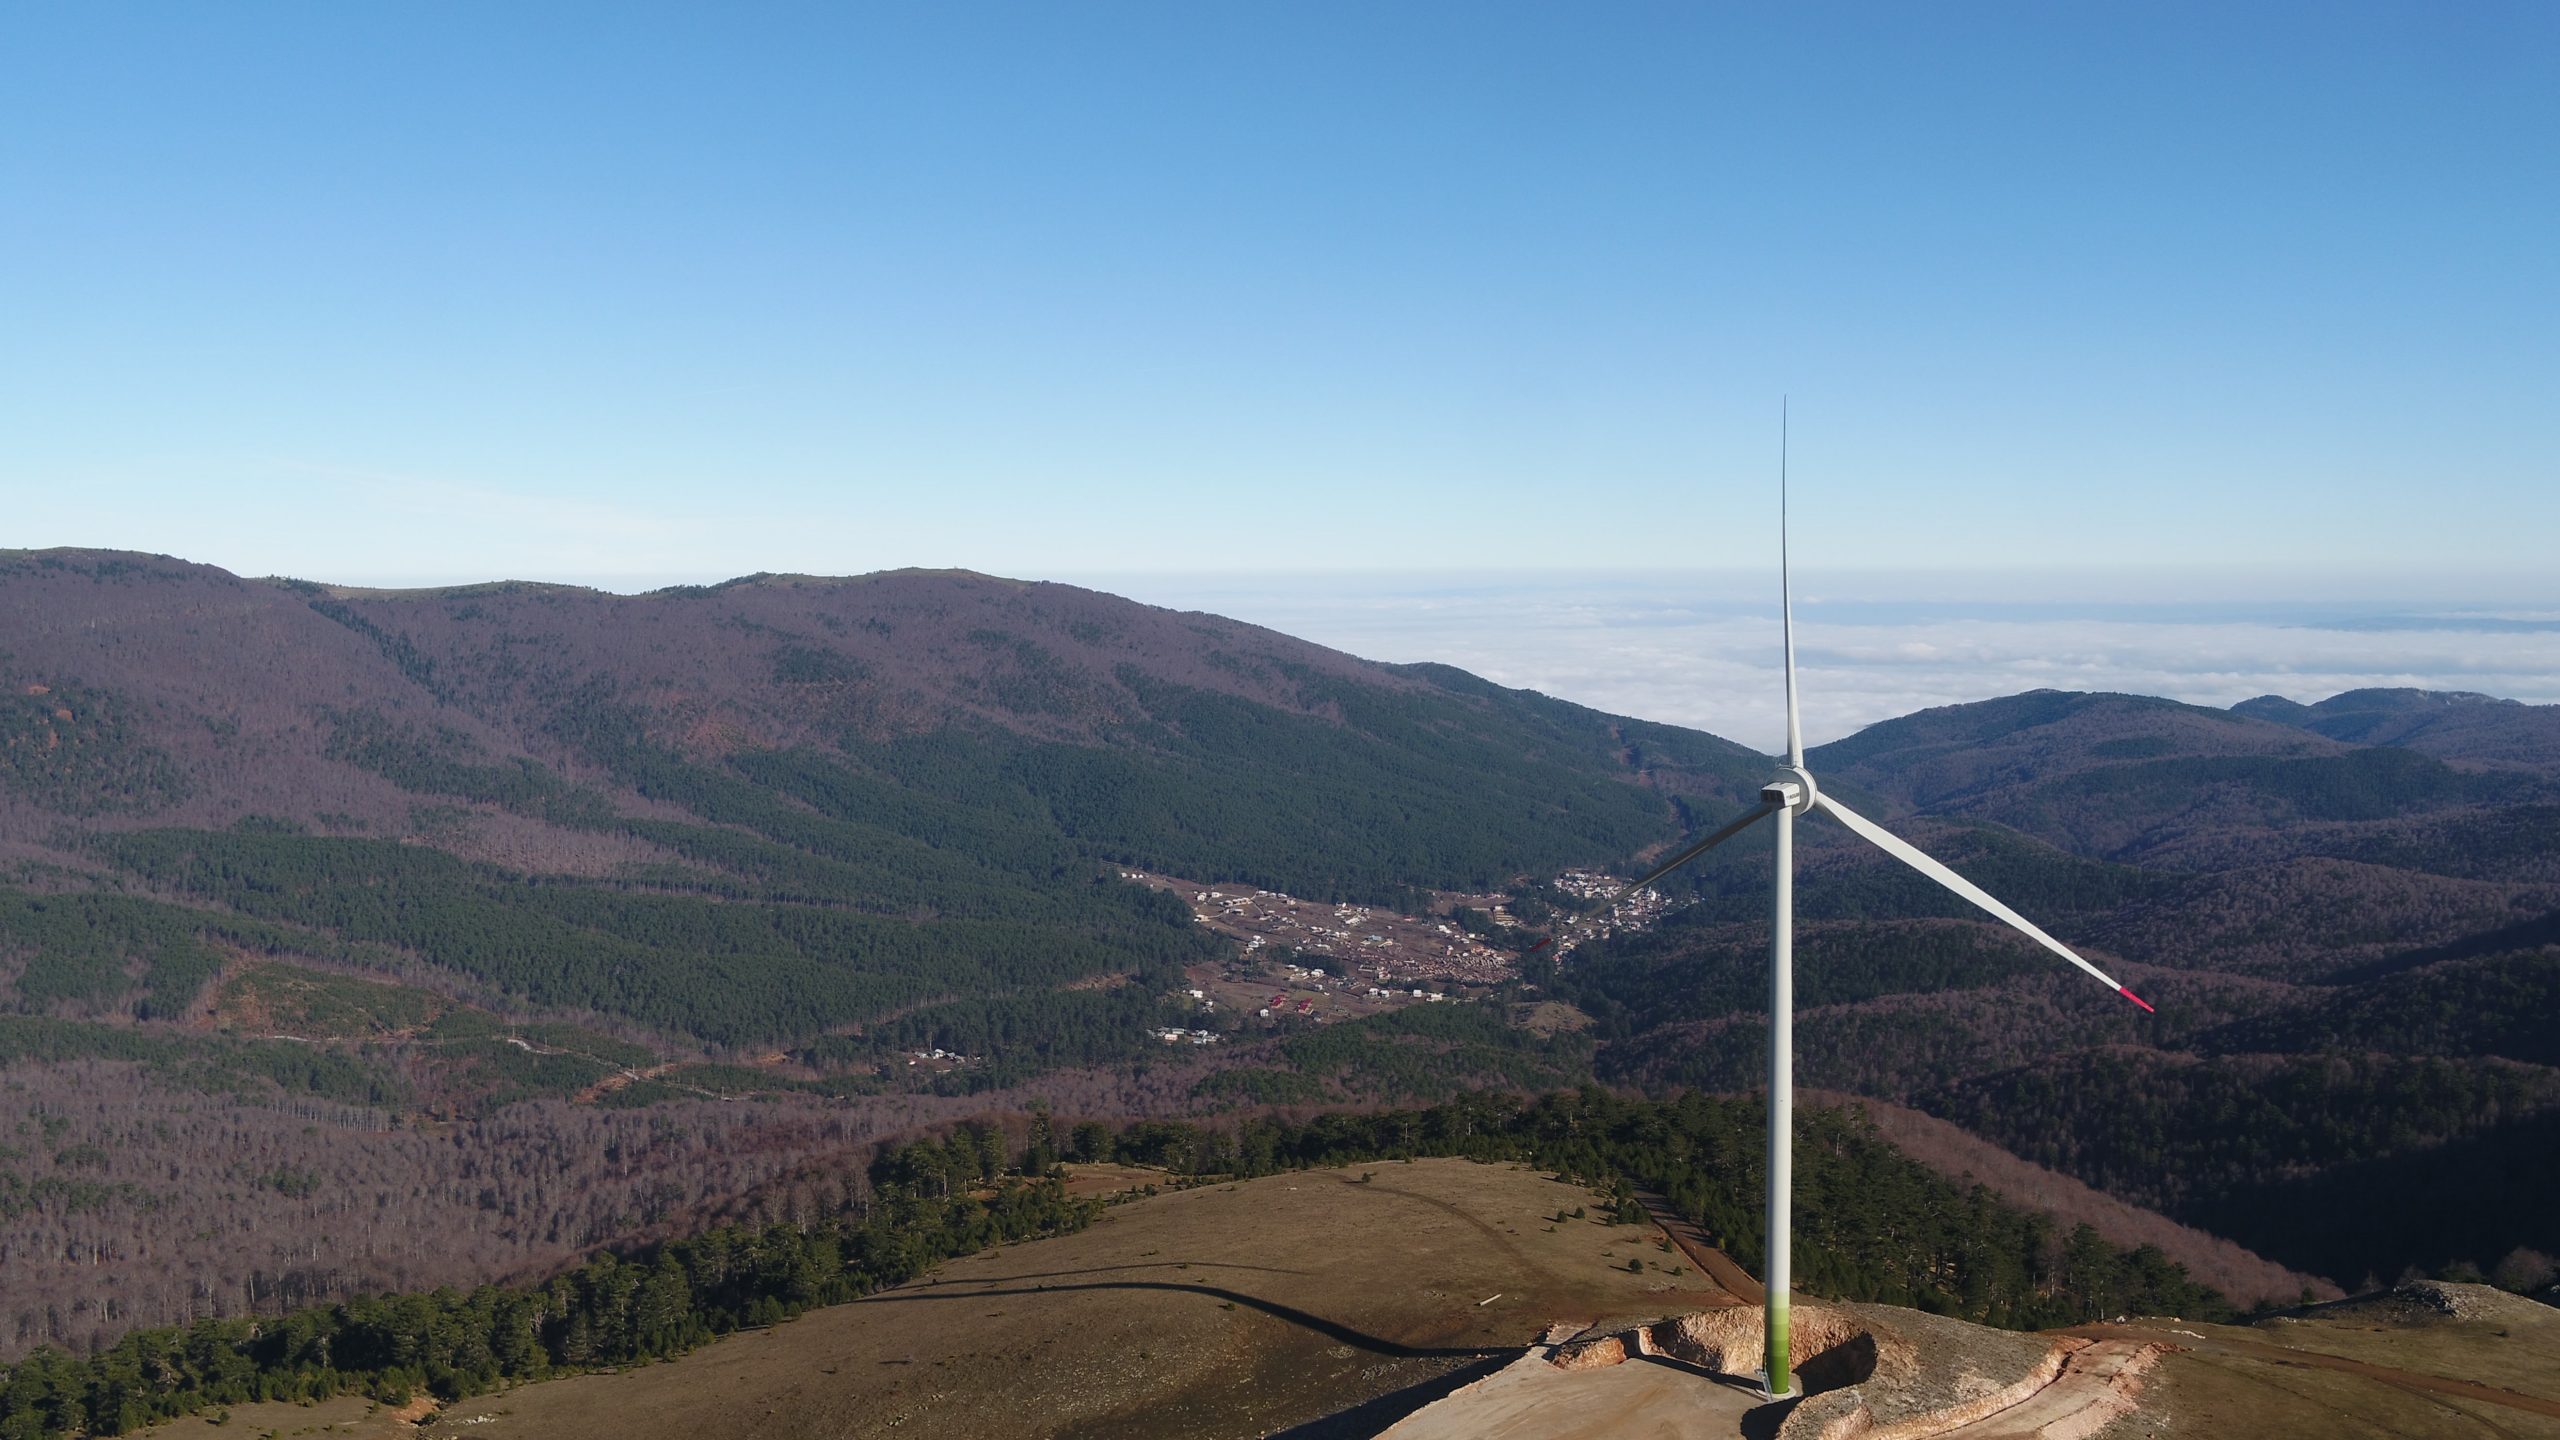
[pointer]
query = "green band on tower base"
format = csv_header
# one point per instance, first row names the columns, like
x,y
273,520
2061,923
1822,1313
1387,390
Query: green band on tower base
x,y
1780,1382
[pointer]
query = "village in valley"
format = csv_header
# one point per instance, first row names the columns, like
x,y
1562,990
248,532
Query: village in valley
x,y
1313,961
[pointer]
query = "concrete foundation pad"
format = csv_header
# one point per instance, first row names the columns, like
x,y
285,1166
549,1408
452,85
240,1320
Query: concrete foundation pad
x,y
1874,1373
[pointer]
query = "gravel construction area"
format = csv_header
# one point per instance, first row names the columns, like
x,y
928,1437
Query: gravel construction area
x,y
1647,1398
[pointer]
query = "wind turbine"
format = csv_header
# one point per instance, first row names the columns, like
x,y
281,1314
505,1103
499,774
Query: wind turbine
x,y
1790,793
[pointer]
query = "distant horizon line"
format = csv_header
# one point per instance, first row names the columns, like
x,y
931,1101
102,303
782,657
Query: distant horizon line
x,y
2262,583
1691,648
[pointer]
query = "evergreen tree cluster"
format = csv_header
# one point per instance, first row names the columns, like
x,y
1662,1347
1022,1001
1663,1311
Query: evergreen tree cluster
x,y
79,950
683,963
77,750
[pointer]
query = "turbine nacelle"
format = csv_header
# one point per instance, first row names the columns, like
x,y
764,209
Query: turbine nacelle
x,y
1793,790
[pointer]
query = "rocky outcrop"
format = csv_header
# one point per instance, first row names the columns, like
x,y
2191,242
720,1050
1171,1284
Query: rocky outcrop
x,y
2420,1302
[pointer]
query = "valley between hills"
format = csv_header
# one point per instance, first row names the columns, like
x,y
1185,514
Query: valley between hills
x,y
358,943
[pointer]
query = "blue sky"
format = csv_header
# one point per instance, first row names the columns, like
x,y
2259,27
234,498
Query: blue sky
x,y
635,294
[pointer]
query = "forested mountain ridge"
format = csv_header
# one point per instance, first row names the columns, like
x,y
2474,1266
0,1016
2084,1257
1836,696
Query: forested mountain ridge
x,y
551,795
198,697
2353,948
2123,776
2451,725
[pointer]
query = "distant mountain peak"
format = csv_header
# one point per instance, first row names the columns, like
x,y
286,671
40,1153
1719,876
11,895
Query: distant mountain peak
x,y
2450,724
2400,697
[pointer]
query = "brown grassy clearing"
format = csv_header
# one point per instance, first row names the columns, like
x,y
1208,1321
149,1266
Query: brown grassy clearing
x,y
1547,1017
345,1417
1233,1310
1112,1179
2355,1371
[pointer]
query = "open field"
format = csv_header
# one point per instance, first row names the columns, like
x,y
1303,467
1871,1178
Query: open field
x,y
344,1416
2374,1367
1109,1179
1237,1310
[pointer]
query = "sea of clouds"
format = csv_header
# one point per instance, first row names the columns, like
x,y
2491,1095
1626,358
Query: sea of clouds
x,y
1702,649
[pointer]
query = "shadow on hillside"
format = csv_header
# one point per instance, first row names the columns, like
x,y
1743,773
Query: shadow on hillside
x,y
1361,1422
1332,1330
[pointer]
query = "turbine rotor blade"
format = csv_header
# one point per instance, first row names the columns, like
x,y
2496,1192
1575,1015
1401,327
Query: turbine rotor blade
x,y
1752,817
1787,600
1911,855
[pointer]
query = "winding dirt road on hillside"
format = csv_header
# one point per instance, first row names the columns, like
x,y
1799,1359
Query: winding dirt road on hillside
x,y
1711,1262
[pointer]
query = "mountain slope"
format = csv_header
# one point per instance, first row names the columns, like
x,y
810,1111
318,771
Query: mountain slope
x,y
2347,943
2448,724
2119,776
922,782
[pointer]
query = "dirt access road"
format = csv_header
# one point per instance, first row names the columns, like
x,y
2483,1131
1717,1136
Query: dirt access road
x,y
1717,1266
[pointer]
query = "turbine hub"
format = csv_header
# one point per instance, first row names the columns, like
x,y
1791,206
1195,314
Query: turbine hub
x,y
1793,788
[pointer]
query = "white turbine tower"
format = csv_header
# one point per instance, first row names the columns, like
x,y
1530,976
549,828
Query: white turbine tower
x,y
1792,793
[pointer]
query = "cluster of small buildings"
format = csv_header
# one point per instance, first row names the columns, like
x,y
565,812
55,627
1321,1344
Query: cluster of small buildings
x,y
1398,959
1636,912
1175,1035
1386,944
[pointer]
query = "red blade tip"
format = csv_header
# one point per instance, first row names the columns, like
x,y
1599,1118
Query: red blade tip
x,y
2136,999
1541,945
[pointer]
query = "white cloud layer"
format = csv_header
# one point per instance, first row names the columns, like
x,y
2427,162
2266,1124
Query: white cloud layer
x,y
1690,653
